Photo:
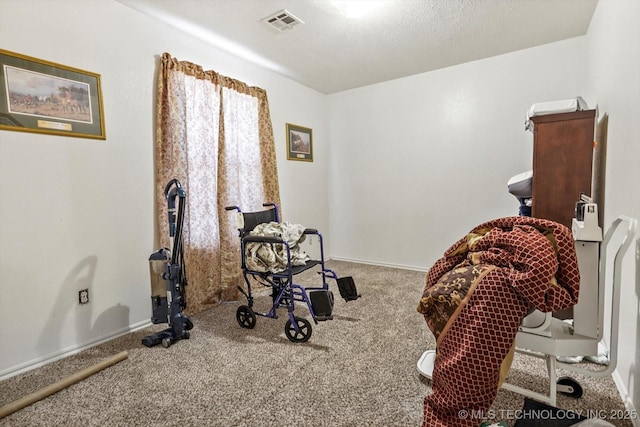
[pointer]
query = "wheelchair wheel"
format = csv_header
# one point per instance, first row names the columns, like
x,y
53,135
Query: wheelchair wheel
x,y
246,317
302,334
573,384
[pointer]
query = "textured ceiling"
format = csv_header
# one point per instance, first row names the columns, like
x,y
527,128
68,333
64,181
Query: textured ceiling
x,y
331,52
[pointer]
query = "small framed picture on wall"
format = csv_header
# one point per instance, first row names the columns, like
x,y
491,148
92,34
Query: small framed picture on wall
x,y
299,143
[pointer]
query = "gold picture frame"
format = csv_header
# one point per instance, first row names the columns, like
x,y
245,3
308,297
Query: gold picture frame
x,y
44,97
299,143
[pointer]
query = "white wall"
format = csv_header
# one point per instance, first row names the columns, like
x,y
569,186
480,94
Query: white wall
x,y
417,162
613,71
78,213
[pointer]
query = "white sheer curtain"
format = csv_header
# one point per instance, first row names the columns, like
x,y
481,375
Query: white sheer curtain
x,y
201,141
242,147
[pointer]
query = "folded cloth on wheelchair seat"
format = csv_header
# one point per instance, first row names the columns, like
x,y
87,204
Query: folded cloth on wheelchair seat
x,y
272,257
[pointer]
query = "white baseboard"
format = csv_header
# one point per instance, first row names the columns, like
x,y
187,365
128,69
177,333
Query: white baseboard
x,y
381,264
626,398
41,361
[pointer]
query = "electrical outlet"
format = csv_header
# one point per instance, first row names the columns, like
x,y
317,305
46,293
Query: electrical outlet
x,y
83,296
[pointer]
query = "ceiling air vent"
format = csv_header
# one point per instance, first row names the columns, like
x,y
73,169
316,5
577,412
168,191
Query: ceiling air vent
x,y
282,20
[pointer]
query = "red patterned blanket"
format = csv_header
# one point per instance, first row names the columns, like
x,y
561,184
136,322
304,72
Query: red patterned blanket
x,y
474,299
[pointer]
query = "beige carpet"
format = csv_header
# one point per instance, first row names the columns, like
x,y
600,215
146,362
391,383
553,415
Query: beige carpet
x,y
356,370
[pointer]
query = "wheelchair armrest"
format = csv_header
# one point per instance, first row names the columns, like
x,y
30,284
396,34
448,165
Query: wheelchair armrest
x,y
310,231
231,208
262,239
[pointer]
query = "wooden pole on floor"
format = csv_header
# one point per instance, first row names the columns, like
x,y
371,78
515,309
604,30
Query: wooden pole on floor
x,y
29,399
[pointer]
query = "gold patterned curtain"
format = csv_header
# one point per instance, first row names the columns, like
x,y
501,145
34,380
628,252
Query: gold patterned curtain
x,y
214,135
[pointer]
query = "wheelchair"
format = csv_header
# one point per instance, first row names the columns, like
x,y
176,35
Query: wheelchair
x,y
284,291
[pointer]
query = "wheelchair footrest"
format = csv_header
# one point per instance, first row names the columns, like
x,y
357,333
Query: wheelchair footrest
x,y
322,304
347,288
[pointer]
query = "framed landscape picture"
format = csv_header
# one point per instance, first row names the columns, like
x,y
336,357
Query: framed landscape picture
x,y
44,97
299,143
